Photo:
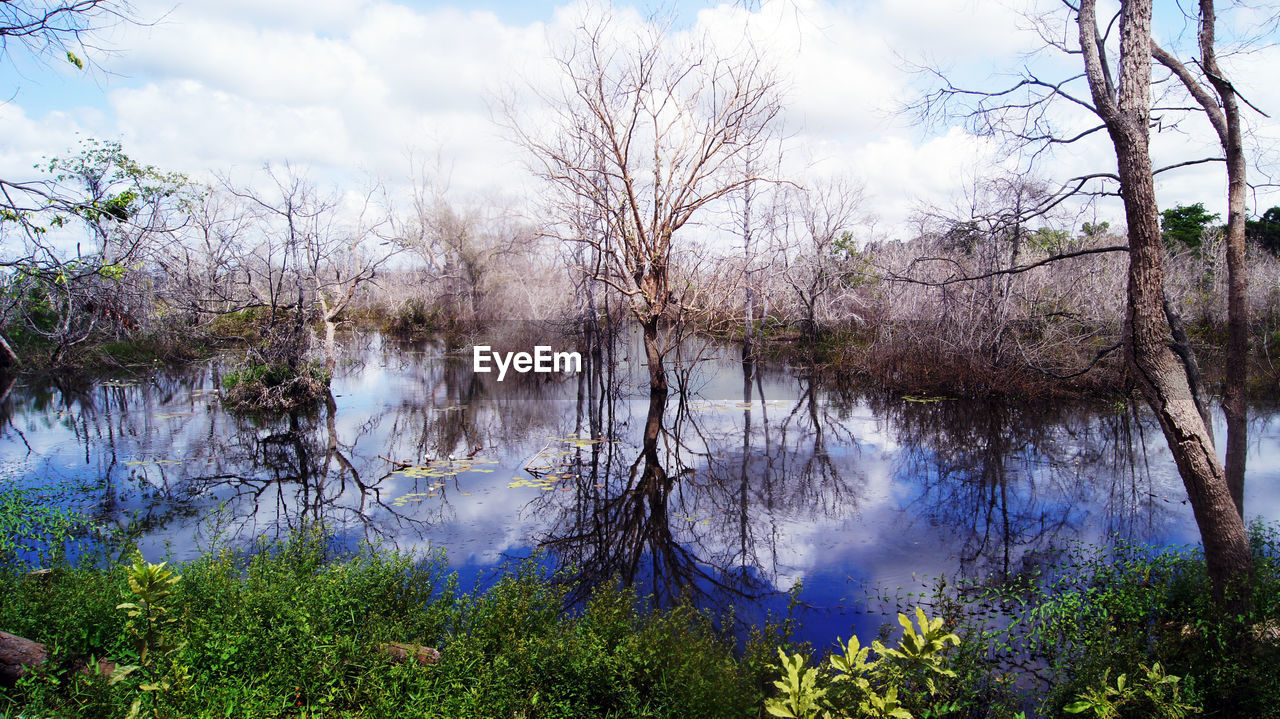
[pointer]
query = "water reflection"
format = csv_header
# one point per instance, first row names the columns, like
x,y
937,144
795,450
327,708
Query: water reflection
x,y
1013,482
760,478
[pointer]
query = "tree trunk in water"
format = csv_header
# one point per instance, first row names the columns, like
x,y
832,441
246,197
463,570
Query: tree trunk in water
x,y
1163,380
1224,114
1161,376
1222,109
8,352
653,353
17,655
330,347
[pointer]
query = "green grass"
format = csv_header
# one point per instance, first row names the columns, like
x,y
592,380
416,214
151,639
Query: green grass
x,y
292,631
274,387
1102,613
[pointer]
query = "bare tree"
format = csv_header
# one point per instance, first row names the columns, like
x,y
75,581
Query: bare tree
x,y
1218,97
1124,104
1117,75
818,242
323,256
644,133
461,249
339,262
46,28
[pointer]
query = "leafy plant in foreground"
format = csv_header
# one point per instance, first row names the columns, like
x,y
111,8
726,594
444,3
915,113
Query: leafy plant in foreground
x,y
1154,693
864,687
152,630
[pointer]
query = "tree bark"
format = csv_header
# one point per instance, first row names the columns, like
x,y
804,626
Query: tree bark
x,y
653,354
1233,403
330,346
1160,374
14,360
1223,111
17,656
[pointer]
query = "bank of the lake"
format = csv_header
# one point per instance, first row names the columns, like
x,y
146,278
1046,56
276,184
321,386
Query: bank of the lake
x,y
297,629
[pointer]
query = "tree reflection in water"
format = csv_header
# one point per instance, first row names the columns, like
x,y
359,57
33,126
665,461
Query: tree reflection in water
x,y
765,477
692,514
1013,482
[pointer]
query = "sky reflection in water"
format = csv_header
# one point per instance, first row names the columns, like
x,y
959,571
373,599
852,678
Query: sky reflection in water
x,y
752,482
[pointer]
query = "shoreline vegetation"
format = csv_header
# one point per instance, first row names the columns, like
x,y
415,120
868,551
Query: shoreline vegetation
x,y
971,305
889,313
300,628
968,307
939,356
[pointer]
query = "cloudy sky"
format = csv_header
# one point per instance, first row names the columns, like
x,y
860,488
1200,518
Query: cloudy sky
x,y
349,88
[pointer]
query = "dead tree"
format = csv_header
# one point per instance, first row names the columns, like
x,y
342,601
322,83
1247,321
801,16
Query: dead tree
x,y
1220,100
1117,77
645,133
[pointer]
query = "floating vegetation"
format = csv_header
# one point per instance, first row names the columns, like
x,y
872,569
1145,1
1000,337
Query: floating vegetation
x,y
445,468
692,520
925,398
543,484
144,462
720,405
413,497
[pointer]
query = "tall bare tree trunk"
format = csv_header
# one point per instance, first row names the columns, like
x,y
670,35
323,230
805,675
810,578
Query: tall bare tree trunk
x,y
330,346
1125,108
1222,107
1233,405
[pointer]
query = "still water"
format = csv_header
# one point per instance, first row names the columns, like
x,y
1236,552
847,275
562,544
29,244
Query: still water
x,y
749,482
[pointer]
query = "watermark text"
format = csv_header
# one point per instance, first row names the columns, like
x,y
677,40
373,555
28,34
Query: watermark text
x,y
542,361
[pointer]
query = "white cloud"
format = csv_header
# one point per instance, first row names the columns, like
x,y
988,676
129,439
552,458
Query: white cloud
x,y
199,127
27,140
354,87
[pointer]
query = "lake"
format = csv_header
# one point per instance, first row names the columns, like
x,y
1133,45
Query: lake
x,y
752,481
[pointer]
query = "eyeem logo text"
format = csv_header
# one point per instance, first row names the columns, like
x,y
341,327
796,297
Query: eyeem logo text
x,y
542,361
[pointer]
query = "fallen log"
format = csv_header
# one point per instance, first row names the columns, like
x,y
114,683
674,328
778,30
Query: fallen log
x,y
403,652
17,655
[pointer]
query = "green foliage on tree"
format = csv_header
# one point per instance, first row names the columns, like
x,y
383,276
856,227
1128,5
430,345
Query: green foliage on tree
x,y
1184,226
1265,232
1090,229
73,241
1048,239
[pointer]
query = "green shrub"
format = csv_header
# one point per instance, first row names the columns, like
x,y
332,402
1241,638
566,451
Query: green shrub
x,y
292,630
1127,611
896,683
274,387
413,317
